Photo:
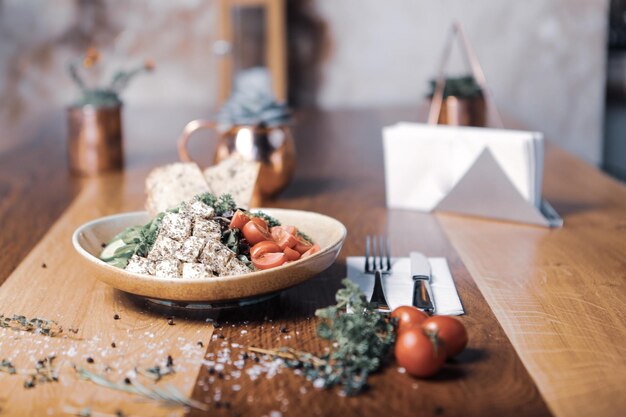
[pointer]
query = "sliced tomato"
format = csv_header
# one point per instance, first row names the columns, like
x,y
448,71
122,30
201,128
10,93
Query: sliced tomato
x,y
302,245
283,238
264,247
292,255
239,220
255,233
269,260
259,221
314,249
292,230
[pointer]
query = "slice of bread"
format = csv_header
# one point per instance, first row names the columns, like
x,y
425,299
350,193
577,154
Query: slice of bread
x,y
235,177
169,185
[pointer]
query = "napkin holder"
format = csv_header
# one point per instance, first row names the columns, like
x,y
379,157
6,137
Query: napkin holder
x,y
486,191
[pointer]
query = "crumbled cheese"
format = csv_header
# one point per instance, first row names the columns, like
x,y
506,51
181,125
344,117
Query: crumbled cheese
x,y
168,268
190,249
139,265
195,271
164,248
176,226
207,229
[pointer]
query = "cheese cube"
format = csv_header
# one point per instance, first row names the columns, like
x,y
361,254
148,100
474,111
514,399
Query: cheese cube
x,y
164,248
207,229
215,256
235,267
176,226
139,265
168,268
190,249
195,271
196,210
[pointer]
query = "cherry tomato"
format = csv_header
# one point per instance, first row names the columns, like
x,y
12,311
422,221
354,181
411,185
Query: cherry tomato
x,y
408,316
259,221
269,260
302,245
292,255
450,331
255,233
283,238
292,230
264,247
417,353
239,220
312,250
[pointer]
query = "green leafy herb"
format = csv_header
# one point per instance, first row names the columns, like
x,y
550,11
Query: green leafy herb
x,y
35,325
7,367
271,222
360,341
462,87
169,395
157,371
225,203
207,198
305,237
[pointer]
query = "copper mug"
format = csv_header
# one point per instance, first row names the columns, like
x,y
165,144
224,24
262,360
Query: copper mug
x,y
272,146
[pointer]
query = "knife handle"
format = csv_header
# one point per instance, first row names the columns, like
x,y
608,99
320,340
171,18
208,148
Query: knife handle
x,y
421,296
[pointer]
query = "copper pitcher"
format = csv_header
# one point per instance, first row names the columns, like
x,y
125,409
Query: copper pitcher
x,y
272,146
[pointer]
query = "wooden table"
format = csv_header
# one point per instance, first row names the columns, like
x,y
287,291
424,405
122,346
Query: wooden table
x,y
545,308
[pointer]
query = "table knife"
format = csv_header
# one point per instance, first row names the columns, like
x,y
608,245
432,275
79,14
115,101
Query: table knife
x,y
421,274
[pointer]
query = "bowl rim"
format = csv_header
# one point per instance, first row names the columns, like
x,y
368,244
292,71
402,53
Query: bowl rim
x,y
196,281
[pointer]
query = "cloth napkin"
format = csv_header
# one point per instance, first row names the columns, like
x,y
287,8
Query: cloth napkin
x,y
398,286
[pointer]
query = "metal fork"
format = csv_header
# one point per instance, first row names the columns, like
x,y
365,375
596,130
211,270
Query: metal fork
x,y
379,264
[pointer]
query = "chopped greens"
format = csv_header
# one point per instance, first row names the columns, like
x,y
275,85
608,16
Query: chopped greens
x,y
360,342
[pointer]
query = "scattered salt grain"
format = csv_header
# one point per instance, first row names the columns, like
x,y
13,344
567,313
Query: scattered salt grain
x,y
402,370
318,383
236,387
276,414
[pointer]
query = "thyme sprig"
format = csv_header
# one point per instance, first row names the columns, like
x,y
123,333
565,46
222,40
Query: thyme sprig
x,y
35,325
360,341
169,395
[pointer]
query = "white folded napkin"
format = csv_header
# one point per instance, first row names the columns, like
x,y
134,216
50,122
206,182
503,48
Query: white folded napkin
x,y
423,163
398,286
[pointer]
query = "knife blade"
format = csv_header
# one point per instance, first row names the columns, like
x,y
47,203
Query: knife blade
x,y
421,274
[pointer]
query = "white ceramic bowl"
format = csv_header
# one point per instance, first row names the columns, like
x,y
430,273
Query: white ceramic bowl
x,y
325,231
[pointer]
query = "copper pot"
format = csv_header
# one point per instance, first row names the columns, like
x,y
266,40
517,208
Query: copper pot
x,y
273,147
94,140
457,111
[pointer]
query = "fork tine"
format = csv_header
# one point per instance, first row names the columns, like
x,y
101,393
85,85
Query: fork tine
x,y
381,252
388,256
374,252
367,253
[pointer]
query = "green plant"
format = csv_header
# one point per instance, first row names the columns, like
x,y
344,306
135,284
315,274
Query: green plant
x,y
107,96
252,102
463,87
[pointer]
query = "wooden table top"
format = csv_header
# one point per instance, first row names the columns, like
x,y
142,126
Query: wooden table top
x,y
545,308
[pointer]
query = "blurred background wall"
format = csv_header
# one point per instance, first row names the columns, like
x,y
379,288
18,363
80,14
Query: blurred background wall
x,y
545,60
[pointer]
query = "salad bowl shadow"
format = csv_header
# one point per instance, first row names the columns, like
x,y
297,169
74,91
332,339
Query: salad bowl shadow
x,y
329,233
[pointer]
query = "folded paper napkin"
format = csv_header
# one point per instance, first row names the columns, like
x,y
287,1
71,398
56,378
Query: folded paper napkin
x,y
423,163
398,286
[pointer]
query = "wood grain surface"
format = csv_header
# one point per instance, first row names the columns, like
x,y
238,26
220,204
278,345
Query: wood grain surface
x,y
569,350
